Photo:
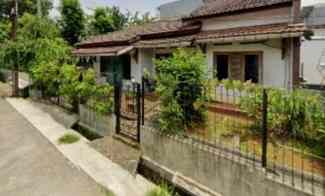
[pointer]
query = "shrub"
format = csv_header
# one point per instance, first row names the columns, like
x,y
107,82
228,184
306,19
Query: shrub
x,y
295,113
102,99
180,84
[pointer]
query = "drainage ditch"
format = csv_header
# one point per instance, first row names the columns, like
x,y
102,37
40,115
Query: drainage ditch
x,y
156,178
90,135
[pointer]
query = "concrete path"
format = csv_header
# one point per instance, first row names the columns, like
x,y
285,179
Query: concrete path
x,y
97,166
31,166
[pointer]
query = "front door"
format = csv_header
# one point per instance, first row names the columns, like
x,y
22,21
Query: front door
x,y
236,67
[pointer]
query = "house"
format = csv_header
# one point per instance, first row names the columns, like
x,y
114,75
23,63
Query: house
x,y
257,40
313,50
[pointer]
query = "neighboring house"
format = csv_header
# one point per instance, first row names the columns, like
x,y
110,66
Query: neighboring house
x,y
313,51
256,40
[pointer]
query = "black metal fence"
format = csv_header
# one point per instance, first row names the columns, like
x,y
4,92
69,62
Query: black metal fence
x,y
127,98
249,122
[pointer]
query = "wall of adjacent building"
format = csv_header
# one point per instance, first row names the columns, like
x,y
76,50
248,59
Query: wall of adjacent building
x,y
263,17
311,56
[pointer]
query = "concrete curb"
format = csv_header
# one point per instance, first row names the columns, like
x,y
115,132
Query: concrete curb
x,y
99,168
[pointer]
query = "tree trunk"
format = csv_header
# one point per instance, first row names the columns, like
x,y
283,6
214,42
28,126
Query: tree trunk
x,y
15,74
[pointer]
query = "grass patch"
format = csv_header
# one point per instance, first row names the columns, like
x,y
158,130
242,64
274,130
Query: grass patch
x,y
105,191
162,190
69,138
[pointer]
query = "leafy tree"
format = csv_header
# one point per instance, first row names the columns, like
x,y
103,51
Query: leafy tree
x,y
24,6
138,19
108,19
72,21
37,42
4,31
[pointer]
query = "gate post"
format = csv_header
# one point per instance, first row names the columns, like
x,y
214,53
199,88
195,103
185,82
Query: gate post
x,y
138,90
142,96
264,129
117,108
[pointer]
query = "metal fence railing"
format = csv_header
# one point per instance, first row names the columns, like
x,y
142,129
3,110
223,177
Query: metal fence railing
x,y
247,123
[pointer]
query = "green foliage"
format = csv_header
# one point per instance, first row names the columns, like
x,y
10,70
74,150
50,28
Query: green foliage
x,y
102,100
69,138
138,19
180,81
33,27
24,6
37,42
290,113
4,31
46,76
162,190
107,19
72,21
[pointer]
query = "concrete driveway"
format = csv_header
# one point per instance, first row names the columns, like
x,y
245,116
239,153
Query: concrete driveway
x,y
31,166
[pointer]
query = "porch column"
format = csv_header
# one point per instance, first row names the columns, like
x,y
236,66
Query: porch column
x,y
97,67
296,11
296,61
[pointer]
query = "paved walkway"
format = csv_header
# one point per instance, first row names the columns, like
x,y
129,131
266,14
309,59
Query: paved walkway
x,y
31,166
97,166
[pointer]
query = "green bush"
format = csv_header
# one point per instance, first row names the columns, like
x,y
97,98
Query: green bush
x,y
296,113
180,84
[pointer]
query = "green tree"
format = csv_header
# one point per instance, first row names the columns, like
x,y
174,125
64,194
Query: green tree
x,y
24,6
138,19
4,31
108,19
72,21
37,41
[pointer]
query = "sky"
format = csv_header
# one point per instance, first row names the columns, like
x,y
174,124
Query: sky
x,y
132,5
139,5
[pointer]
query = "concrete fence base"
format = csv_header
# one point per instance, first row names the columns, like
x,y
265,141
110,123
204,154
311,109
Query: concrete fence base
x,y
103,125
220,172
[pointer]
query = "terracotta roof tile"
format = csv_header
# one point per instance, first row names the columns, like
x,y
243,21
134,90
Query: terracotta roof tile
x,y
134,31
216,7
282,28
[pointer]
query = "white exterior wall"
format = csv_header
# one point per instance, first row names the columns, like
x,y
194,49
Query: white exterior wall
x,y
274,69
145,60
264,17
311,52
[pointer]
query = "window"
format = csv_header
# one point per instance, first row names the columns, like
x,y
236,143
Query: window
x,y
222,66
241,66
251,68
121,66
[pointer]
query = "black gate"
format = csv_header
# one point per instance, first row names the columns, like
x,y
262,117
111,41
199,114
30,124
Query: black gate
x,y
128,110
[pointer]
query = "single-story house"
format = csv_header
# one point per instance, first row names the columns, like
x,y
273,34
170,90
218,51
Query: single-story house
x,y
257,40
